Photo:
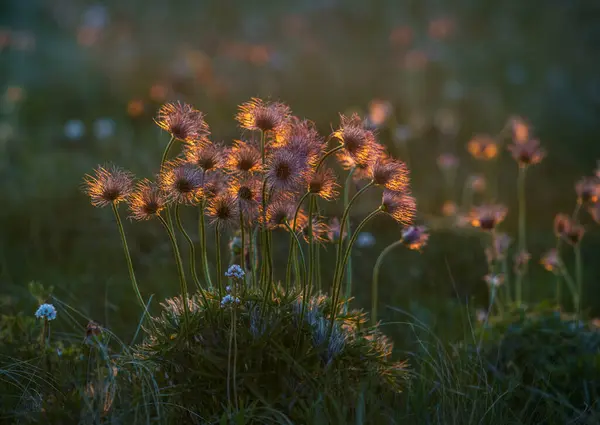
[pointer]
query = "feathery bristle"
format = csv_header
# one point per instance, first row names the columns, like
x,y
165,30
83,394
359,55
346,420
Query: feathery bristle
x,y
358,142
247,193
207,156
391,174
108,185
323,184
243,158
487,217
182,121
401,206
257,114
146,201
286,170
181,182
223,211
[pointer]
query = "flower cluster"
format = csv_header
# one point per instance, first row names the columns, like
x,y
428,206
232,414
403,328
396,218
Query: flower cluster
x,y
46,311
229,300
235,272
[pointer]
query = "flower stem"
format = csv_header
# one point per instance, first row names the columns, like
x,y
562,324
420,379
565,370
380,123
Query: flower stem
x,y
243,235
128,259
203,247
218,259
179,262
349,234
375,284
311,248
192,255
522,231
579,278
326,155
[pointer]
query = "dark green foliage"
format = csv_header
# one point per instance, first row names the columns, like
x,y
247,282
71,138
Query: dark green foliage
x,y
280,371
549,363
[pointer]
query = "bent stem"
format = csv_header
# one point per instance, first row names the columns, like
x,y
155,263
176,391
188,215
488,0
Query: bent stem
x,y
218,259
338,284
375,283
128,259
192,255
326,155
579,278
522,231
203,250
179,262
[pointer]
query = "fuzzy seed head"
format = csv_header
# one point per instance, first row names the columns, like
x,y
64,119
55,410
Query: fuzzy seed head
x,y
208,157
257,114
415,237
358,142
400,206
146,201
527,153
181,182
588,190
243,158
107,186
223,211
183,122
323,184
286,170
391,174
487,217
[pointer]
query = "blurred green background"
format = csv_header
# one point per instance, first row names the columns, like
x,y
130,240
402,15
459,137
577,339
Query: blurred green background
x,y
80,82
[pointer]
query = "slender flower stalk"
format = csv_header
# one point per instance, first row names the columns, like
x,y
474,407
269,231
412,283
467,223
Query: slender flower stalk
x,y
579,278
192,254
375,284
327,155
218,259
348,235
311,248
203,247
182,281
128,259
522,230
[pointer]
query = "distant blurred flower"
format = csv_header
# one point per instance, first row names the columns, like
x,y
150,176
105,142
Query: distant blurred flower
x,y
135,108
415,237
483,147
365,240
477,183
441,28
520,130
447,161
104,128
379,112
500,248
551,261
158,92
258,114
494,280
527,152
449,208
402,134
574,234
46,311
446,121
334,230
588,190
401,36
74,129
109,185
416,59
521,260
487,217
14,94
562,224
594,211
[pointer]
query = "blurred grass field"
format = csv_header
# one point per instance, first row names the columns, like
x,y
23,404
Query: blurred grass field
x,y
81,81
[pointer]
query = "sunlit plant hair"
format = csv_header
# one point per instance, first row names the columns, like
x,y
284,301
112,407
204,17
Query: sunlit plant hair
x,y
415,237
146,201
483,147
243,158
400,206
109,185
181,182
527,153
391,174
281,210
302,138
257,114
223,211
286,170
323,184
247,193
357,141
207,156
213,184
183,122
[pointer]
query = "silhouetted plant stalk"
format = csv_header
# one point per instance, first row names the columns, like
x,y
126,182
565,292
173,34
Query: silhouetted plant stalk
x,y
375,284
218,260
136,288
349,235
522,231
203,246
180,272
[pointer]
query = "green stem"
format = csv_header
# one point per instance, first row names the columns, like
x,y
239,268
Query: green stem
x,y
203,246
288,267
522,231
128,259
192,255
375,284
579,278
311,250
349,235
235,396
229,352
243,234
254,257
326,155
166,152
571,285
179,262
218,259
337,284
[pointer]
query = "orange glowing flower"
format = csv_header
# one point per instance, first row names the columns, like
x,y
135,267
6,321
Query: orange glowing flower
x,y
108,186
391,174
357,141
281,211
181,182
415,237
206,155
135,108
487,217
527,153
223,211
483,147
247,193
588,189
520,130
257,114
401,207
146,201
182,121
323,184
243,158
551,261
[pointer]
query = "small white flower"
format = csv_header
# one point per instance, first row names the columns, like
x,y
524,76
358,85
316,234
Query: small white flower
x,y
46,311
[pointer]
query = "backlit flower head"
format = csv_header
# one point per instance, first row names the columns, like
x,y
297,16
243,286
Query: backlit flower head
x,y
574,234
46,311
494,280
109,185
243,158
562,224
323,184
391,174
320,231
208,157
588,189
447,161
415,237
521,260
213,185
281,210
477,183
498,251
520,130
487,217
483,147
247,193
146,201
235,272
257,114
181,182
594,211
286,170
334,230
182,121
551,261
379,112
223,211
527,153
301,137
355,138
402,207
